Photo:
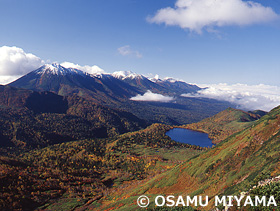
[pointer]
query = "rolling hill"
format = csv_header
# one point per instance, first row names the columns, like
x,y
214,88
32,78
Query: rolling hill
x,y
225,123
37,119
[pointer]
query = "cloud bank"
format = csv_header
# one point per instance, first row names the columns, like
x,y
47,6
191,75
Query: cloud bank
x,y
149,96
249,97
198,14
89,69
14,62
127,51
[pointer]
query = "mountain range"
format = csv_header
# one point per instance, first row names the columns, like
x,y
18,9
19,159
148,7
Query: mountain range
x,y
116,90
54,104
117,86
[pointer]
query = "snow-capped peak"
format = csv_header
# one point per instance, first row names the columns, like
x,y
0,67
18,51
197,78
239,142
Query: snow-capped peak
x,y
57,69
126,74
155,79
172,80
53,67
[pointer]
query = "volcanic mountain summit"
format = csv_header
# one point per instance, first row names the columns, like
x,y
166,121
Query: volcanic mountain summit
x,y
67,81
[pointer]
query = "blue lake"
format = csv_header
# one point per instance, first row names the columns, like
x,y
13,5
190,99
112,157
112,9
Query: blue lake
x,y
190,137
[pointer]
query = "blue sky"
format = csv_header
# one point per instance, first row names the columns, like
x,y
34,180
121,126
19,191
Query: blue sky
x,y
116,35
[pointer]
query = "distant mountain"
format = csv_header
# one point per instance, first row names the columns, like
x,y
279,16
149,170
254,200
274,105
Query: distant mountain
x,y
121,85
115,90
166,86
176,86
66,81
136,80
30,119
226,123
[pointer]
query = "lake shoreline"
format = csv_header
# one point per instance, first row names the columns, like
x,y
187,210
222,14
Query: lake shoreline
x,y
189,136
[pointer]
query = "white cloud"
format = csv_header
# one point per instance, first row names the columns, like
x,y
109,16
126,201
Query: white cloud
x,y
89,69
127,51
149,96
8,79
251,97
198,14
14,62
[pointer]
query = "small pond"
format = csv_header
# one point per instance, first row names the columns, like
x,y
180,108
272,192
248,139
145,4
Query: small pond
x,y
190,137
